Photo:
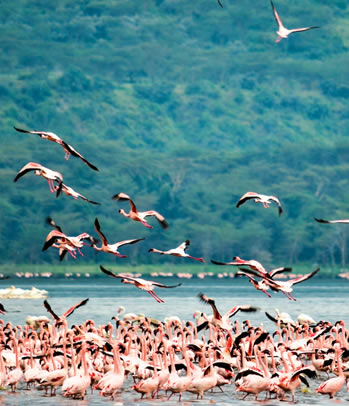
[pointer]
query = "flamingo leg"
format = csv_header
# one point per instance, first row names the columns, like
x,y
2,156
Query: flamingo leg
x,y
80,252
155,296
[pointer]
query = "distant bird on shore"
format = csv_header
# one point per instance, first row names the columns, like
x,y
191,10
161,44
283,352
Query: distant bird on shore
x,y
111,248
258,198
135,215
68,149
39,170
177,252
140,283
344,221
71,192
283,32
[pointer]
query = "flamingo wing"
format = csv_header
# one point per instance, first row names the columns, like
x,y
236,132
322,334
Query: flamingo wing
x,y
52,238
331,221
304,277
2,309
30,166
184,246
212,303
98,229
247,196
160,218
109,273
276,15
121,243
277,201
223,263
77,154
71,310
245,308
50,222
161,285
277,271
219,2
302,29
49,309
123,197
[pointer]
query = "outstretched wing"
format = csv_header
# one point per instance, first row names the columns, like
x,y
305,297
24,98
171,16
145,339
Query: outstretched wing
x,y
160,218
212,303
50,222
302,29
184,246
71,310
346,221
109,273
161,285
277,271
219,2
121,243
30,166
77,154
123,197
245,197
276,15
49,309
304,277
98,229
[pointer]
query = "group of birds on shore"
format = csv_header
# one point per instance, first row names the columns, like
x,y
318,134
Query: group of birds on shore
x,y
161,359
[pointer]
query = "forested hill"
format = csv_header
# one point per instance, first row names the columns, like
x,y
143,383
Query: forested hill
x,y
185,106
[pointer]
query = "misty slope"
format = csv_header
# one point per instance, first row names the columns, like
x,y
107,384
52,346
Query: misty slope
x,y
185,106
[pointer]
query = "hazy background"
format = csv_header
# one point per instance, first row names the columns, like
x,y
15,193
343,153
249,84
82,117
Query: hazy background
x,y
185,106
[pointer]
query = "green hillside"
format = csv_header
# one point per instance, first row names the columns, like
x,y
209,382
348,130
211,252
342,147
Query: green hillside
x,y
185,106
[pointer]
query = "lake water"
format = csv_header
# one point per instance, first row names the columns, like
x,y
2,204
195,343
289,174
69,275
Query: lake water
x,y
322,299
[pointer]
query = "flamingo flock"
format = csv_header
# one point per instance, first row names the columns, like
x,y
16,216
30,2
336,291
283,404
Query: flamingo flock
x,y
172,358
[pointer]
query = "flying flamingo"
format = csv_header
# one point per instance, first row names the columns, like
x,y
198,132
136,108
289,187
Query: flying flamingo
x,y
260,285
142,284
258,198
68,149
178,252
61,319
217,319
39,170
111,248
71,192
253,264
344,221
283,32
135,215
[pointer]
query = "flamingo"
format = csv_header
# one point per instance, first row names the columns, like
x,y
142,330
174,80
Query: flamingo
x,y
344,221
142,284
178,252
253,264
135,215
15,375
258,198
218,320
68,149
333,385
111,248
283,32
71,192
61,319
260,285
39,170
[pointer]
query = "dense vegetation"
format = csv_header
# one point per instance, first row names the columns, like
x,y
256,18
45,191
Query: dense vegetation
x,y
185,106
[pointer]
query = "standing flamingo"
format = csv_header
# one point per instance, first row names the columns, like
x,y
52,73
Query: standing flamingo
x,y
135,215
178,252
142,284
333,385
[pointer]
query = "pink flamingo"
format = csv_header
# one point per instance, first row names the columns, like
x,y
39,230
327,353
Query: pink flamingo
x,y
142,284
39,170
258,198
71,192
178,252
68,149
284,32
111,248
135,215
333,385
343,221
